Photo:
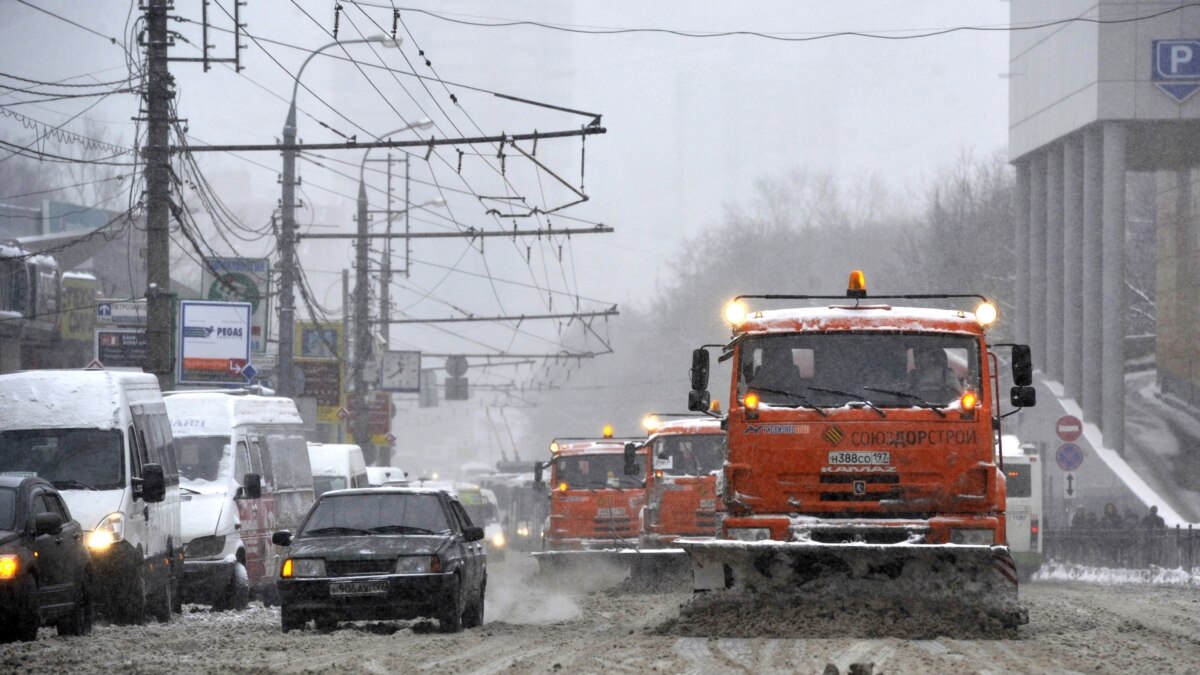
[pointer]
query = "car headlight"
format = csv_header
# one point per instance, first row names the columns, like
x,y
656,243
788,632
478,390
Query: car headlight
x,y
10,564
749,533
498,540
523,531
418,564
204,547
303,567
108,531
972,537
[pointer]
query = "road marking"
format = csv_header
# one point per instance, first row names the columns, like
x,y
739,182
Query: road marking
x,y
932,646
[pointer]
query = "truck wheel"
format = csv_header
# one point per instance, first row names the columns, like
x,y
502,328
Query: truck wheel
x,y
129,601
451,619
290,619
80,620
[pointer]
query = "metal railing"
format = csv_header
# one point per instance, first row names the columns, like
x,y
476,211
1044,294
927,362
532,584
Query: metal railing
x,y
1171,548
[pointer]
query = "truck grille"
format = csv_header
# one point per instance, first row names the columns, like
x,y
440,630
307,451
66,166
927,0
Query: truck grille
x,y
861,488
354,568
613,525
706,521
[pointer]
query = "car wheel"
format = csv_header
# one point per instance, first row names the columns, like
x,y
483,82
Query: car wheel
x,y
290,619
26,627
451,619
236,595
129,601
80,620
162,602
473,617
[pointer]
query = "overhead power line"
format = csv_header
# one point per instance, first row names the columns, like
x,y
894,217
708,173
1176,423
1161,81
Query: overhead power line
x,y
611,311
469,233
430,143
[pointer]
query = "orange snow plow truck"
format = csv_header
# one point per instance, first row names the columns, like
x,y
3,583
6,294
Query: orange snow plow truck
x,y
596,496
862,456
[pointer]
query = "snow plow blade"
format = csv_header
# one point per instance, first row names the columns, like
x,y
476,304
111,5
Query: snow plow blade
x,y
629,570
980,578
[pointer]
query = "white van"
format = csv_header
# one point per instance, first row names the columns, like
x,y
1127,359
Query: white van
x,y
244,473
103,439
379,476
336,466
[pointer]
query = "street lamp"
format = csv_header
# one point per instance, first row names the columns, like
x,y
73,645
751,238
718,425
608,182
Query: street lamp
x,y
287,239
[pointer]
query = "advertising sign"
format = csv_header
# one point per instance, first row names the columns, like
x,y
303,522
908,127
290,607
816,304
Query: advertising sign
x,y
121,347
318,340
214,342
78,319
323,382
242,280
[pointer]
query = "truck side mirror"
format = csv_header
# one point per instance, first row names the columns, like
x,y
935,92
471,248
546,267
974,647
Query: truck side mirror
x,y
251,487
699,370
1022,365
1023,397
537,475
698,401
154,483
631,459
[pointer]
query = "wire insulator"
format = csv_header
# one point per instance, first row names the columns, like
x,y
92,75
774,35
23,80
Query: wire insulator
x,y
337,18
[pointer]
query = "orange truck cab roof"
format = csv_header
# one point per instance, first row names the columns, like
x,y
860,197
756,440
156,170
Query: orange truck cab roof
x,y
593,504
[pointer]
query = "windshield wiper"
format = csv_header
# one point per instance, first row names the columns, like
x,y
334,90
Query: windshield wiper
x,y
921,403
72,484
840,392
334,530
413,529
804,402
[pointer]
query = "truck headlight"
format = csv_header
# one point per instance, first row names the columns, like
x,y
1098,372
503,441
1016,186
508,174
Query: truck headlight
x,y
972,537
107,532
204,547
303,567
749,533
498,540
418,564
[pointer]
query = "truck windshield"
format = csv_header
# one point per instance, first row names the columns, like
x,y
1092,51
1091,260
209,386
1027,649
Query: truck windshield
x,y
693,455
384,513
8,509
597,472
896,370
203,458
71,459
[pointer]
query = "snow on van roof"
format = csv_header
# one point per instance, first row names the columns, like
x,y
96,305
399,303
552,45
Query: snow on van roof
x,y
205,413
44,399
333,459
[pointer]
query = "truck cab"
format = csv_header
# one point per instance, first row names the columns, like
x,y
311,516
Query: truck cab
x,y
686,456
594,503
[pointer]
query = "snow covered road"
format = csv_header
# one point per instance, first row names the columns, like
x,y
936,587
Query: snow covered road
x,y
1073,628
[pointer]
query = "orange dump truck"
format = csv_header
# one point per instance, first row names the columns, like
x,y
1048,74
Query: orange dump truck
x,y
862,456
595,502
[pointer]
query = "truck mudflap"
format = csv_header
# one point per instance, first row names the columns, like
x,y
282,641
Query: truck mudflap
x,y
625,569
982,578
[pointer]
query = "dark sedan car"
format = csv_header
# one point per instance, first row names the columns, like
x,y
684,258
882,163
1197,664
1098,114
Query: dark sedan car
x,y
45,571
383,553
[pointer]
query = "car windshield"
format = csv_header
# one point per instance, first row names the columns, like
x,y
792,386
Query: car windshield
x,y
8,509
203,458
597,471
382,513
71,459
890,370
323,484
691,455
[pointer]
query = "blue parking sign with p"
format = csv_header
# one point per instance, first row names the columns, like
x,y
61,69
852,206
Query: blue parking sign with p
x,y
1177,67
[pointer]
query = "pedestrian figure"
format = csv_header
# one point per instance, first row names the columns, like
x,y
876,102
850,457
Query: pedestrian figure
x,y
1111,520
1083,520
1153,521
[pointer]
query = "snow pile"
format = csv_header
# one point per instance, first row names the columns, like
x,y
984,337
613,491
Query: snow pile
x,y
1158,576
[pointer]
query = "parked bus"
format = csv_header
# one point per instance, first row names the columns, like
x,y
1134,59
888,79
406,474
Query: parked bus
x,y
1025,517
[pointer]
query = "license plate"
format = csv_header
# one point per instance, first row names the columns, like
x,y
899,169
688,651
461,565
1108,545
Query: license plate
x,y
845,457
373,587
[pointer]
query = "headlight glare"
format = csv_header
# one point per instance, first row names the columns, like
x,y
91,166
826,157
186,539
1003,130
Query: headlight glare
x,y
108,531
9,566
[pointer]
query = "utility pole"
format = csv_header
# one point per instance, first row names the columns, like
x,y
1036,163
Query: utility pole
x,y
360,416
345,355
385,276
160,89
285,379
